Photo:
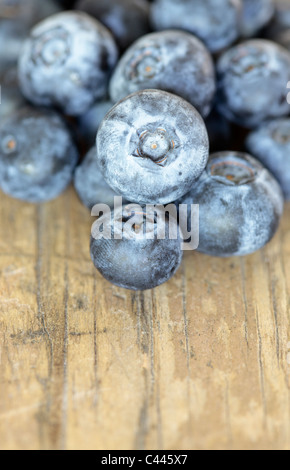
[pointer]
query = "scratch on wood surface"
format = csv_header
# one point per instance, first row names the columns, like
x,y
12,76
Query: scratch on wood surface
x,y
65,371
15,413
143,342
185,319
157,367
261,369
228,414
273,292
245,300
8,272
39,224
96,308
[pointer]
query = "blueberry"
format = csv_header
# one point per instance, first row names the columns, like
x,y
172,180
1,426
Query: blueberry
x,y
252,80
240,205
90,184
134,262
126,19
152,146
16,19
11,97
217,25
172,61
37,155
67,62
89,122
271,145
256,15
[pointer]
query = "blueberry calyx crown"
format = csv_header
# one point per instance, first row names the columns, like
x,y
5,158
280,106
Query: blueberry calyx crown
x,y
281,135
52,47
145,64
143,222
248,60
9,144
232,170
155,145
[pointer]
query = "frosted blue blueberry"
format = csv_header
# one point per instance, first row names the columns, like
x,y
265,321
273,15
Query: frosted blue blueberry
x,y
173,61
134,262
67,62
252,80
152,146
218,26
37,155
240,205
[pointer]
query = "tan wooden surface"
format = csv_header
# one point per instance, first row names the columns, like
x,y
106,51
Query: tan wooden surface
x,y
200,363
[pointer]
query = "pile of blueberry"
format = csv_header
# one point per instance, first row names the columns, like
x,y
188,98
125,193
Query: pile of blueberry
x,y
141,100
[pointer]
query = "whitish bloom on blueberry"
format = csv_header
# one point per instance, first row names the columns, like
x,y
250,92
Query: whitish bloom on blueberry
x,y
172,61
240,205
131,260
67,62
152,146
216,23
156,145
37,155
252,77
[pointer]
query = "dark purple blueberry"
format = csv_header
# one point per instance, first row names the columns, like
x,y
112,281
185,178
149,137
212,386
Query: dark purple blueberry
x,y
240,205
152,146
67,62
173,61
90,184
252,80
133,261
216,25
256,15
128,20
89,122
37,155
16,19
271,145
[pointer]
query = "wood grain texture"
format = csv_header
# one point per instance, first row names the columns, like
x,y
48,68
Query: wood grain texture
x,y
202,362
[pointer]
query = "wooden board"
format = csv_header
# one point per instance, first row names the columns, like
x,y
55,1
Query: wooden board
x,y
202,362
